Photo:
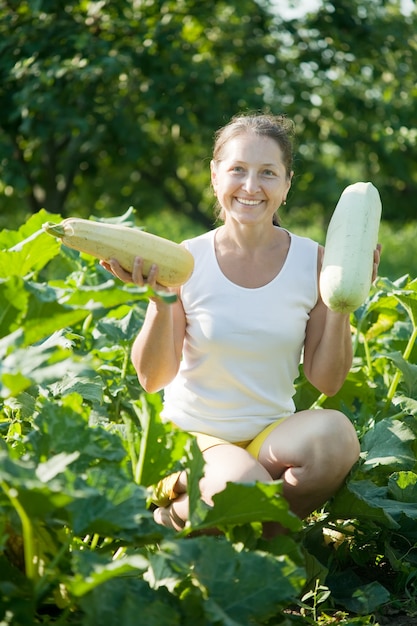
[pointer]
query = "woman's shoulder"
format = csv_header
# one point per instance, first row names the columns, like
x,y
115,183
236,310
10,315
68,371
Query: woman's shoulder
x,y
195,243
303,242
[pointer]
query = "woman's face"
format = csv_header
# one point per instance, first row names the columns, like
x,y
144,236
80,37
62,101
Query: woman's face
x,y
250,179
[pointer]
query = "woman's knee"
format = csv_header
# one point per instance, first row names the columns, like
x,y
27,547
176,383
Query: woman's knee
x,y
338,432
336,447
311,439
229,463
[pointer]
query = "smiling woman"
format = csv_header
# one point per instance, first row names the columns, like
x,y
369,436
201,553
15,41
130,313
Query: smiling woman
x,y
265,162
227,351
250,179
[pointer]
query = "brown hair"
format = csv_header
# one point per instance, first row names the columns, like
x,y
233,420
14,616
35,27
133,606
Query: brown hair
x,y
277,127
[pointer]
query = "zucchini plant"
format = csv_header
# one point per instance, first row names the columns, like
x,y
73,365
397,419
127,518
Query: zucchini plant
x,y
81,446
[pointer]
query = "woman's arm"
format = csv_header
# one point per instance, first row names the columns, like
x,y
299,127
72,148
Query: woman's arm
x,y
328,343
327,349
156,351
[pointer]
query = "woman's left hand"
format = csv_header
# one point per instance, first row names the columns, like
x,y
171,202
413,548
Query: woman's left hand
x,y
377,258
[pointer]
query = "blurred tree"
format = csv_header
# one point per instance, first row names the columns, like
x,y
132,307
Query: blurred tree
x,y
105,104
113,103
352,89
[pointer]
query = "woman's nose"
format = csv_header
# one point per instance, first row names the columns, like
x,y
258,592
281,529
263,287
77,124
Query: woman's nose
x,y
251,183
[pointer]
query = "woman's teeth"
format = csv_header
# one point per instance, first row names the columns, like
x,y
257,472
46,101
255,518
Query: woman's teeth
x,y
248,202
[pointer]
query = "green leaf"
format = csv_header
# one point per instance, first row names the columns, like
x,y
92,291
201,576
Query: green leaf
x,y
366,598
195,471
16,593
108,294
15,302
361,599
13,384
129,601
29,248
227,578
24,403
315,571
54,466
402,486
45,319
408,405
363,500
409,372
408,298
242,503
89,388
94,570
162,446
111,505
42,364
38,499
61,429
123,330
389,443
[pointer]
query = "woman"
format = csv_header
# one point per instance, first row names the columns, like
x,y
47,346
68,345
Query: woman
x,y
227,351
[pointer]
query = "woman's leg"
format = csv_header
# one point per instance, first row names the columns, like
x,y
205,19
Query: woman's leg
x,y
223,463
312,451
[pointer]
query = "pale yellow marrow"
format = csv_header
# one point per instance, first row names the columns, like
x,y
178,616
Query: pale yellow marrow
x,y
106,241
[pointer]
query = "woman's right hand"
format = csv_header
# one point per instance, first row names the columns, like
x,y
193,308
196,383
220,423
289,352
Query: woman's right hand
x,y
136,276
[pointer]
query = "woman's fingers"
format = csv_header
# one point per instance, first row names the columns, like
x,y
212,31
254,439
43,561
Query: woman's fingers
x,y
115,268
136,276
137,273
377,258
120,272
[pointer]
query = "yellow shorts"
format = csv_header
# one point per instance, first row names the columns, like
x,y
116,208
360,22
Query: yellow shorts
x,y
253,446
164,492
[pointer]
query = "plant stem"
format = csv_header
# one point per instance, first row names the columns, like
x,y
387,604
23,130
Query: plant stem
x,y
123,374
131,442
19,246
27,531
119,553
143,444
355,342
406,356
44,584
319,401
368,358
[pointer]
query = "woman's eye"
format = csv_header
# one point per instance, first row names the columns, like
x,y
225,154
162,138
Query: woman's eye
x,y
269,173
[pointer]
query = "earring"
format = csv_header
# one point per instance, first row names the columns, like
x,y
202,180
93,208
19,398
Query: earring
x,y
284,203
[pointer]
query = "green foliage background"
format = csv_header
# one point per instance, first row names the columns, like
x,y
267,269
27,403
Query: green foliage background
x,y
109,105
81,446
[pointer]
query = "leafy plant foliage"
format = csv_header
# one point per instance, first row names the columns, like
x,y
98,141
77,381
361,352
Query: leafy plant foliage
x,y
82,445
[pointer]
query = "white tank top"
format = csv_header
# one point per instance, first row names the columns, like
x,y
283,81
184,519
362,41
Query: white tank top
x,y
243,346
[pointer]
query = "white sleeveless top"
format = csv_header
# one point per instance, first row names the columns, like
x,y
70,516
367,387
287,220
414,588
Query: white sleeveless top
x,y
243,346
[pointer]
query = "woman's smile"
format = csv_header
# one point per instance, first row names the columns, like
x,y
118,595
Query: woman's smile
x,y
248,202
